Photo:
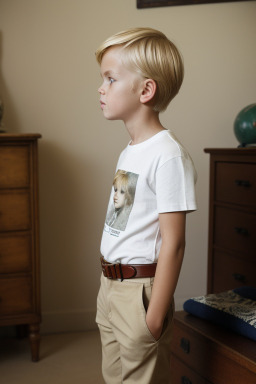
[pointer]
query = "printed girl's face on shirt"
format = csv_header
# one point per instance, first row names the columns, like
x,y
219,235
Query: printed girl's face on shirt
x,y
121,88
119,196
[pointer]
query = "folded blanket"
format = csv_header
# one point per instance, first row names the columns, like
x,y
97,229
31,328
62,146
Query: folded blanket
x,y
234,309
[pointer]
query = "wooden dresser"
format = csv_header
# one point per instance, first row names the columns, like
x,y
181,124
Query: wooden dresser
x,y
201,351
19,235
232,219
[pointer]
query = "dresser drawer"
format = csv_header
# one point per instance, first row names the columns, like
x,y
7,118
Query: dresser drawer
x,y
15,296
235,230
181,374
14,211
15,254
14,166
230,272
236,183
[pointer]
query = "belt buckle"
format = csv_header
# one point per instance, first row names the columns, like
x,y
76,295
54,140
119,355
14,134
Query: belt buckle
x,y
110,270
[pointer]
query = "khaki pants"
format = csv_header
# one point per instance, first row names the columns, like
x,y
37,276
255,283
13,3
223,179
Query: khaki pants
x,y
130,354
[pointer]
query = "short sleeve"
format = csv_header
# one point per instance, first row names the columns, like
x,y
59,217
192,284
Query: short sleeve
x,y
175,185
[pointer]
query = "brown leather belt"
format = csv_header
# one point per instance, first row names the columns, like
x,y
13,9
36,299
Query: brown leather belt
x,y
127,271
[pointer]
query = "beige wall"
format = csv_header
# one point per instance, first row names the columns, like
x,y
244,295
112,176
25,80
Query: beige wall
x,y
49,80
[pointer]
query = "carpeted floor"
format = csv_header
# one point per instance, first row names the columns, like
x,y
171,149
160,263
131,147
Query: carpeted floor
x,y
73,358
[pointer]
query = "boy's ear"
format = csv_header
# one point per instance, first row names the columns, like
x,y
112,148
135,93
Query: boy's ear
x,y
149,91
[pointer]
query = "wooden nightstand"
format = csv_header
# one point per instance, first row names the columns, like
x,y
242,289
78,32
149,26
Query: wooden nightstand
x,y
205,353
19,235
202,352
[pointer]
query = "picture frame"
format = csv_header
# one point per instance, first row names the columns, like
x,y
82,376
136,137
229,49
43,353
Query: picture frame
x,y
166,3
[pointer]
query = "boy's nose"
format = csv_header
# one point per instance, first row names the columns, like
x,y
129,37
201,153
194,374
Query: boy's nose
x,y
101,90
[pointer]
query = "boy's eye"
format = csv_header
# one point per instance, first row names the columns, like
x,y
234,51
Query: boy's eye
x,y
111,80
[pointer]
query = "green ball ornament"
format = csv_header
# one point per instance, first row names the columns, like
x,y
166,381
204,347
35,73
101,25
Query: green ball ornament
x,y
245,126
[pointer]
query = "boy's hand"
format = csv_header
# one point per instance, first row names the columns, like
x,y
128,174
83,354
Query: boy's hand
x,y
154,328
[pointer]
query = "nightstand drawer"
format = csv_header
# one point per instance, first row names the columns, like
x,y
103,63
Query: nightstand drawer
x,y
15,296
235,230
15,254
16,161
14,211
230,272
236,183
211,352
181,374
189,348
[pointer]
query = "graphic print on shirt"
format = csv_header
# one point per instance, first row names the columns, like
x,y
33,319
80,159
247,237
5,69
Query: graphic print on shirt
x,y
120,207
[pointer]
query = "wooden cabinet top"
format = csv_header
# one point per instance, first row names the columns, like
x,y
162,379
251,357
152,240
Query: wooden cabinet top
x,y
19,137
248,151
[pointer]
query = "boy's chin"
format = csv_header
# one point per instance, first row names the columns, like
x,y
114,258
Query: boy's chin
x,y
111,118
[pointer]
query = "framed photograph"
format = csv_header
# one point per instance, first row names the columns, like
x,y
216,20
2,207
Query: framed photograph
x,y
166,3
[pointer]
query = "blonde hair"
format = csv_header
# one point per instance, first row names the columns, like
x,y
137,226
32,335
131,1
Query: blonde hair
x,y
150,53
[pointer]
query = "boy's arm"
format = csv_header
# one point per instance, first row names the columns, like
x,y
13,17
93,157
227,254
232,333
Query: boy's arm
x,y
172,227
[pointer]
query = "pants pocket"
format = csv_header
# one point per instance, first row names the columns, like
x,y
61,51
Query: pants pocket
x,y
145,296
145,299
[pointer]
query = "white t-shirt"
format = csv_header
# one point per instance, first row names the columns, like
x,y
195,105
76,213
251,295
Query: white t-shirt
x,y
153,177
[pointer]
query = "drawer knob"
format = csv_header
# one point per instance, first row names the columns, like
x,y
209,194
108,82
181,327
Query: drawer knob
x,y
242,231
239,277
185,345
185,380
243,183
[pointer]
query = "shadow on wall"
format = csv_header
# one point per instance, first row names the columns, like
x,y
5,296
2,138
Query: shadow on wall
x,y
10,120
69,231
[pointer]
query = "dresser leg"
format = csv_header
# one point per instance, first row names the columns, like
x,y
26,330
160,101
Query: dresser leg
x,y
34,339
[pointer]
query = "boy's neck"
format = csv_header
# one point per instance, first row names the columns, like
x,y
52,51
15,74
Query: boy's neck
x,y
143,129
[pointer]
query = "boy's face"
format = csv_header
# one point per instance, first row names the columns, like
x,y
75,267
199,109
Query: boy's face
x,y
121,88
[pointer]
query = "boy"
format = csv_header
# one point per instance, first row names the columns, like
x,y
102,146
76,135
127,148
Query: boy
x,y
142,71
